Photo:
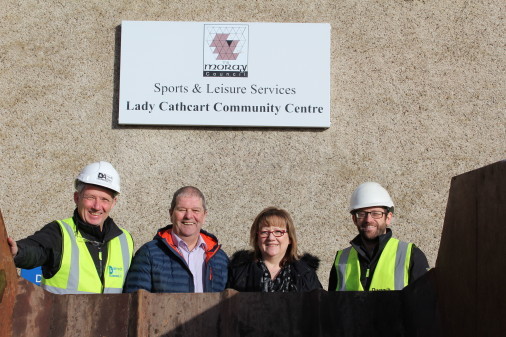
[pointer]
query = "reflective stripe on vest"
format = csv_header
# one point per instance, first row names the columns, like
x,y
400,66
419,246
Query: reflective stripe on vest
x,y
391,273
78,274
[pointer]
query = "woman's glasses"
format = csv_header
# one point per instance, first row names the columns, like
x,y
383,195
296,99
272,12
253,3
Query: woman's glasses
x,y
277,233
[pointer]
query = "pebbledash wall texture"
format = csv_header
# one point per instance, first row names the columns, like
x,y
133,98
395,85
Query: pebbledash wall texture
x,y
417,97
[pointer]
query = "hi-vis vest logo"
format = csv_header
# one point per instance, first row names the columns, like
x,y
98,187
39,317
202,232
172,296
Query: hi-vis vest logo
x,y
226,50
115,271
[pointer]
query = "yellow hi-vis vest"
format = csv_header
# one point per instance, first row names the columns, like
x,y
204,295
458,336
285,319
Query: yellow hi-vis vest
x,y
391,273
78,274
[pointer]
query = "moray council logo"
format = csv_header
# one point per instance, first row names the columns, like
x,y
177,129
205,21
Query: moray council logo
x,y
226,50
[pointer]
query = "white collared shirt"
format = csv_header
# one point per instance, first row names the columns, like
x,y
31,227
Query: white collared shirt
x,y
194,259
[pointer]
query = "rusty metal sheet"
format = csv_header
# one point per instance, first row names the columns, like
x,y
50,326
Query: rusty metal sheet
x,y
471,264
8,280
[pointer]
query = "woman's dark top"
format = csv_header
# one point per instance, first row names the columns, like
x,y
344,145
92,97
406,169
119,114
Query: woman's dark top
x,y
246,273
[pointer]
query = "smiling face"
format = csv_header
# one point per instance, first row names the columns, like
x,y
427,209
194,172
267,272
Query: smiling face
x,y
187,218
280,249
272,247
370,229
94,204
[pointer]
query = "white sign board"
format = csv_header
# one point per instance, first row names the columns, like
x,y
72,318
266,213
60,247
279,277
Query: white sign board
x,y
225,74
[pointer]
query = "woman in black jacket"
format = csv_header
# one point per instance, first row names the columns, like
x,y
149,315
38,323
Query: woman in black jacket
x,y
274,265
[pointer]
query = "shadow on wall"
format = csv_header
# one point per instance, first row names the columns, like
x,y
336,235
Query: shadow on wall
x,y
116,72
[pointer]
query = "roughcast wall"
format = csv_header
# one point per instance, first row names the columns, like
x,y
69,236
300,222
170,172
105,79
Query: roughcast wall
x,y
417,97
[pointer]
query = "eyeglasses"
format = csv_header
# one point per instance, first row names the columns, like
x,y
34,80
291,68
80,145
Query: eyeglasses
x,y
277,233
374,214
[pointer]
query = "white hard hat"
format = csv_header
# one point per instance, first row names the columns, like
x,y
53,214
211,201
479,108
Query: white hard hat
x,y
100,173
370,194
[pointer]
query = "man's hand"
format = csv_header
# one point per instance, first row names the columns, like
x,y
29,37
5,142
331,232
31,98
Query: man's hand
x,y
13,246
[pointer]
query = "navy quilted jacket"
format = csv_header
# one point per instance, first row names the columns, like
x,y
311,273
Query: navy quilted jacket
x,y
158,267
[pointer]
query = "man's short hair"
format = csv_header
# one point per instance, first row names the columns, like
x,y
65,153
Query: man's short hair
x,y
188,191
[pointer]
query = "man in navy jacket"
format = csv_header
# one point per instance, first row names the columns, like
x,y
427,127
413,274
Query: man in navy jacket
x,y
181,257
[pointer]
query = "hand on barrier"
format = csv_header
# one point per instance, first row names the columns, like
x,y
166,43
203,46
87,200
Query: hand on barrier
x,y
13,246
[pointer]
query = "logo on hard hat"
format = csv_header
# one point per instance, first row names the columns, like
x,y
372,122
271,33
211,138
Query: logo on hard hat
x,y
104,177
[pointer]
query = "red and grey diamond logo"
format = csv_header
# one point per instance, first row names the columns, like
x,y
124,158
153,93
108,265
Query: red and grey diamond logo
x,y
226,50
224,46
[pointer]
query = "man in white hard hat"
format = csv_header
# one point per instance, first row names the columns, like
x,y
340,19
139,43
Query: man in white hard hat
x,y
375,260
86,253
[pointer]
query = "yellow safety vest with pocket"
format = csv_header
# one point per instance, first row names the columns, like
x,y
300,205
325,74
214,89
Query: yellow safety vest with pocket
x,y
78,274
391,273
